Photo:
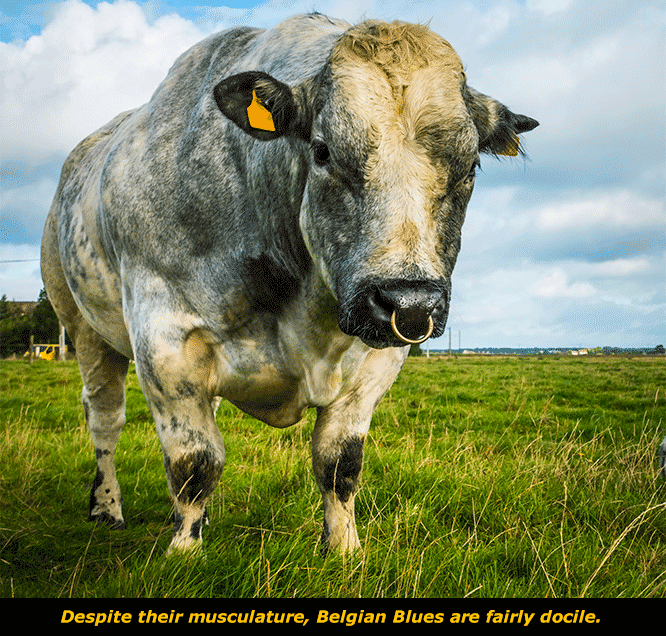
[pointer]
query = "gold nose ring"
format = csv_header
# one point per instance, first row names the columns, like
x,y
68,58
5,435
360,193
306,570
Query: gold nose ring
x,y
406,340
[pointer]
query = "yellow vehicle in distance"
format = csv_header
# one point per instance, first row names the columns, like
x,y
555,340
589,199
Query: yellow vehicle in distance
x,y
46,351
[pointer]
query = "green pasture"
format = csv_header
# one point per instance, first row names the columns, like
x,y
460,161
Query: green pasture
x,y
483,477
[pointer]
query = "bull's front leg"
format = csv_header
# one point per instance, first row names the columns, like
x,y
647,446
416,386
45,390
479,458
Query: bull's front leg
x,y
194,456
337,458
338,441
174,371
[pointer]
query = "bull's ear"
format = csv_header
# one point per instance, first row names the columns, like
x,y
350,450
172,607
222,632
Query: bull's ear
x,y
498,127
258,104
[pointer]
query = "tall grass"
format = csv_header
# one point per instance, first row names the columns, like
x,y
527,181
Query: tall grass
x,y
483,477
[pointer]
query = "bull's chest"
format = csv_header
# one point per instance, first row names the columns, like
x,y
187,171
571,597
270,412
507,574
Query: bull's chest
x,y
277,380
259,384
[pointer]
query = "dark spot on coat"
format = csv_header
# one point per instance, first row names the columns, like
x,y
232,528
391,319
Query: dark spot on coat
x,y
99,480
193,476
177,523
175,424
186,389
268,284
195,530
342,474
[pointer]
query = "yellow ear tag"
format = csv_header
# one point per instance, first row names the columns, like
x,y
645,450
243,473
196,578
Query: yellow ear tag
x,y
512,148
259,116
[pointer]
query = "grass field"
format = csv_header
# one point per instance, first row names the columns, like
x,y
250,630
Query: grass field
x,y
483,477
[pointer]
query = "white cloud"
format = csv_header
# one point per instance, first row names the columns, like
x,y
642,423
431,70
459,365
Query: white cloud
x,y
492,211
548,7
620,268
548,74
557,285
85,67
495,22
621,208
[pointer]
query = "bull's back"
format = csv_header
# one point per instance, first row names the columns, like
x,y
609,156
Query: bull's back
x,y
80,278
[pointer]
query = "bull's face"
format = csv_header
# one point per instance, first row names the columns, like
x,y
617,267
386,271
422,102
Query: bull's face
x,y
394,138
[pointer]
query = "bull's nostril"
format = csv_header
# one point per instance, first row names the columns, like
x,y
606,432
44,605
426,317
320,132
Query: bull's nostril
x,y
380,306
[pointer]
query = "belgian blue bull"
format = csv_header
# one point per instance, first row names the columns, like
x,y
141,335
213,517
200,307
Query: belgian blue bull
x,y
274,227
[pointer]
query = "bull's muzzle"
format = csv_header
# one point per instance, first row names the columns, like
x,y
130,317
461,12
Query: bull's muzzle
x,y
395,313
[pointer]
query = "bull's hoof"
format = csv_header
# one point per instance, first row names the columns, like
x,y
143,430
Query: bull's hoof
x,y
187,549
341,544
186,539
108,519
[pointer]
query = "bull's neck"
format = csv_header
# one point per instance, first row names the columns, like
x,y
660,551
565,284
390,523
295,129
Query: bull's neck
x,y
277,173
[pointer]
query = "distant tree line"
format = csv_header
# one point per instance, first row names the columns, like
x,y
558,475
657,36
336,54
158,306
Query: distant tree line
x,y
619,351
17,324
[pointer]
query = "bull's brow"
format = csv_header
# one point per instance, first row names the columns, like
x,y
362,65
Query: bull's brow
x,y
448,140
450,148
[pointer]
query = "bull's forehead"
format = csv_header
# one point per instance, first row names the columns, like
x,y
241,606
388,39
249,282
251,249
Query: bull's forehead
x,y
398,49
427,116
401,87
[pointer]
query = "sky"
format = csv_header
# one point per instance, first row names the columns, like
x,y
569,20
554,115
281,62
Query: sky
x,y
565,248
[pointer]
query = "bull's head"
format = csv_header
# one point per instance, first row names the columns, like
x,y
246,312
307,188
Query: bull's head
x,y
392,139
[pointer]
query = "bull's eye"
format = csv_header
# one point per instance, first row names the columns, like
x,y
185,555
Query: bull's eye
x,y
471,175
320,152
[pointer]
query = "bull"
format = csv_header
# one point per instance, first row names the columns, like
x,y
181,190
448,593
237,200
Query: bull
x,y
274,227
